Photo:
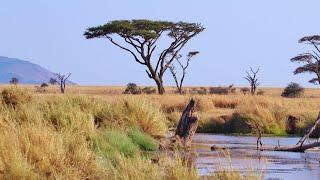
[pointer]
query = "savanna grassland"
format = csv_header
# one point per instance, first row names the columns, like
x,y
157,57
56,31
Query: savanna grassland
x,y
231,113
100,133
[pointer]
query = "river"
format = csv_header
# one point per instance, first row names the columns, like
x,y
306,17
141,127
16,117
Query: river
x,y
244,158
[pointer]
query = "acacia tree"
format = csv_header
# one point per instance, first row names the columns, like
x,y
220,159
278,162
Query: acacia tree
x,y
62,81
14,81
140,39
310,60
179,82
252,78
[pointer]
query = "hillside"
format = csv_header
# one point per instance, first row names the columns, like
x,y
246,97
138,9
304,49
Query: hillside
x,y
25,71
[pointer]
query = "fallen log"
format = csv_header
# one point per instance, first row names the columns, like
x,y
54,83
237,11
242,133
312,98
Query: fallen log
x,y
294,148
187,125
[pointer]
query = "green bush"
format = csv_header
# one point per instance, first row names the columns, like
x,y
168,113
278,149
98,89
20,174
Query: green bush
x,y
132,88
144,141
293,90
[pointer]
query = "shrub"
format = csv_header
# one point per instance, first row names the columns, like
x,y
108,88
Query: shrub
x,y
132,88
149,90
293,90
14,81
183,91
145,142
260,92
15,97
201,91
245,90
219,90
43,85
41,88
53,81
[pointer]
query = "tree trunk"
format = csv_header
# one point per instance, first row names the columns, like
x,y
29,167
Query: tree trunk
x,y
187,125
160,87
62,88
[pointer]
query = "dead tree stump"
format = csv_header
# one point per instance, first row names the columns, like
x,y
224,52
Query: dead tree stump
x,y
291,126
187,125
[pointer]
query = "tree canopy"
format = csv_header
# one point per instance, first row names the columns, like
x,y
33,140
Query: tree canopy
x,y
311,60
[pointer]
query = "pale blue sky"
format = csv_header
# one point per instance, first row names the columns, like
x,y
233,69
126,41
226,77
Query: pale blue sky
x,y
238,34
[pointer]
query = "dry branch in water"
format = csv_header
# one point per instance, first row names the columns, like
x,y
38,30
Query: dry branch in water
x,y
299,147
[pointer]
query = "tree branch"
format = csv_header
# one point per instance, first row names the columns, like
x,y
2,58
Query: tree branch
x,y
124,48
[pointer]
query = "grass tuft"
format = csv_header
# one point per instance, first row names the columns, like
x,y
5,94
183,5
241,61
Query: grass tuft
x,y
144,141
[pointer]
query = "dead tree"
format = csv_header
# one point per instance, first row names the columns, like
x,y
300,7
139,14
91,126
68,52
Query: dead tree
x,y
259,134
251,77
187,125
62,81
310,131
179,82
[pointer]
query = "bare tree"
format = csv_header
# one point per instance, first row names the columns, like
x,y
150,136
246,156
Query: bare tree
x,y
251,77
179,82
62,81
311,60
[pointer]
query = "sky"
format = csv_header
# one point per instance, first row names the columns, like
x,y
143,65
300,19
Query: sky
x,y
238,34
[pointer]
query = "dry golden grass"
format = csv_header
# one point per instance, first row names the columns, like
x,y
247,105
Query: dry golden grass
x,y
54,136
216,111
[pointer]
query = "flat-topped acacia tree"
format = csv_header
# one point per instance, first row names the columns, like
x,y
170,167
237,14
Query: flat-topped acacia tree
x,y
140,38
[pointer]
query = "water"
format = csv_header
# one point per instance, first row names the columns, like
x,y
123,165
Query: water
x,y
244,157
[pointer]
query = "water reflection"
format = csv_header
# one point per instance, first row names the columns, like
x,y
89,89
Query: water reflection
x,y
243,157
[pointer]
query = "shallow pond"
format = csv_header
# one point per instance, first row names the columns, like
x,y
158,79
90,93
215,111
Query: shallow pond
x,y
244,157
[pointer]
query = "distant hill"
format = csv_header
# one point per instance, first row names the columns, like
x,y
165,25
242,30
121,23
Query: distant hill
x,y
25,71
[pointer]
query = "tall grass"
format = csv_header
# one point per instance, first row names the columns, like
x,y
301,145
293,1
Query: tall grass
x,y
57,137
